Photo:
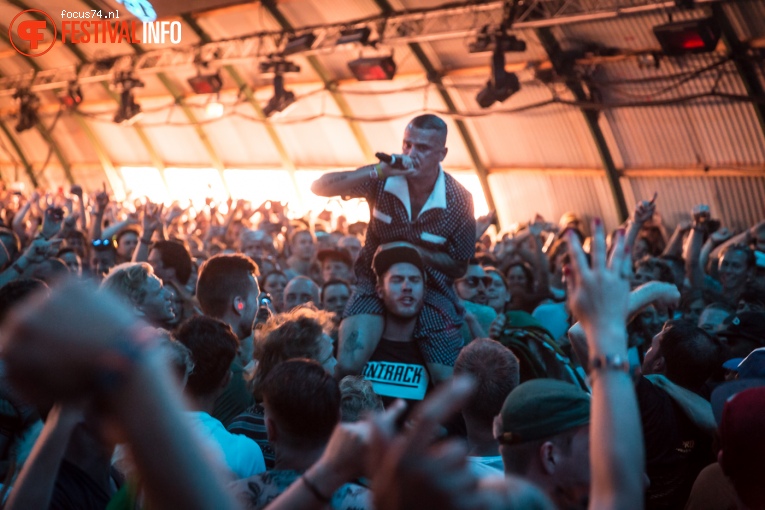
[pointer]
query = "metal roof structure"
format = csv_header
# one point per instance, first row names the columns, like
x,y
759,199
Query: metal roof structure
x,y
603,117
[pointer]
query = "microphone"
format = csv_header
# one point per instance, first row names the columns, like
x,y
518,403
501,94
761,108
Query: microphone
x,y
391,159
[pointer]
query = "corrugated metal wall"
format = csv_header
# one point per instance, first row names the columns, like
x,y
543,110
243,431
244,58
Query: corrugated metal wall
x,y
738,201
521,195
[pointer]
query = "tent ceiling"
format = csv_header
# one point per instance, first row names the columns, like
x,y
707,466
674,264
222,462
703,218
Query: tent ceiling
x,y
337,120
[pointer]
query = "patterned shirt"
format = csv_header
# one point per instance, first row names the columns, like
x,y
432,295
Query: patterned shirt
x,y
258,491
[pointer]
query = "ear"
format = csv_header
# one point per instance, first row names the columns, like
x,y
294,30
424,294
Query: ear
x,y
271,430
443,153
239,305
225,381
659,365
547,457
379,291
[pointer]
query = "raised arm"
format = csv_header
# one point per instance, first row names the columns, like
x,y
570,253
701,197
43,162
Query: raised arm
x,y
599,296
341,183
643,212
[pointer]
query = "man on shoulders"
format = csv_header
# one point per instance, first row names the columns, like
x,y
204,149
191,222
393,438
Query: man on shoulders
x,y
417,202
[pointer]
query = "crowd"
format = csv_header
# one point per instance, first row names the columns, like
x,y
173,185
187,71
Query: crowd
x,y
231,357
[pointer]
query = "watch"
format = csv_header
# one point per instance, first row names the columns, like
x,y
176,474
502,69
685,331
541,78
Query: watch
x,y
609,362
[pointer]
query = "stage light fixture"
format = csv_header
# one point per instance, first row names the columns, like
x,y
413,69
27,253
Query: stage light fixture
x,y
29,103
299,43
692,36
281,99
373,68
487,40
72,97
354,35
206,83
128,111
214,109
501,85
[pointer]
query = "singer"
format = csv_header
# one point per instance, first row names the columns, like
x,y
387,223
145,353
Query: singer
x,y
411,199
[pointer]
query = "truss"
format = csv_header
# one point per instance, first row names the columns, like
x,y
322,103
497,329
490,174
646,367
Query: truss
x,y
444,22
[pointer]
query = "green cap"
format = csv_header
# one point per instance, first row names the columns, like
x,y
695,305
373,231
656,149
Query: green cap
x,y
542,408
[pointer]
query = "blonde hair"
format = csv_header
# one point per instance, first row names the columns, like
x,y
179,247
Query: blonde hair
x,y
128,281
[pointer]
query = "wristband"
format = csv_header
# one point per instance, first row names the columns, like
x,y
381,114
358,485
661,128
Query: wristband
x,y
315,490
144,241
378,169
16,267
608,362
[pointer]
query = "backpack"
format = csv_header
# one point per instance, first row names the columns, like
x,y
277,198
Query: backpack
x,y
538,354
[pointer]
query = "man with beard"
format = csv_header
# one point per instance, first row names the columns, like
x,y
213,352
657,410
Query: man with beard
x,y
228,291
472,290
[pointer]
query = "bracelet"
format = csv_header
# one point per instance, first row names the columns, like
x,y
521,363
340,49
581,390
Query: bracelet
x,y
609,362
373,175
144,241
315,490
378,169
16,267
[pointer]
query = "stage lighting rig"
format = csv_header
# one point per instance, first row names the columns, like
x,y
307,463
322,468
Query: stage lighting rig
x,y
128,110
501,85
29,103
489,40
281,99
72,97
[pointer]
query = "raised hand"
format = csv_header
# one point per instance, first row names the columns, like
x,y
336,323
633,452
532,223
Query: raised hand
x,y
721,235
700,214
645,209
483,223
598,291
52,221
152,218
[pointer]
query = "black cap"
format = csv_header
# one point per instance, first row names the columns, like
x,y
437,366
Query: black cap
x,y
394,253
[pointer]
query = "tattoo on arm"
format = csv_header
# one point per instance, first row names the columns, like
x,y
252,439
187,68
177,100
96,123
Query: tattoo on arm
x,y
352,344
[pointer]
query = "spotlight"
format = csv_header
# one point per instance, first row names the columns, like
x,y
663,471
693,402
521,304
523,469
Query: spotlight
x,y
214,109
692,36
206,83
28,105
282,98
488,41
128,110
501,85
299,43
354,35
373,68
72,98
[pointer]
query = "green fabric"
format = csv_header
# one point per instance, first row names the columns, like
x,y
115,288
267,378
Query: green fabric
x,y
123,499
485,316
543,408
235,399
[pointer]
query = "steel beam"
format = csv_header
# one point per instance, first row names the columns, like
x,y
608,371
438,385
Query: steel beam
x,y
553,49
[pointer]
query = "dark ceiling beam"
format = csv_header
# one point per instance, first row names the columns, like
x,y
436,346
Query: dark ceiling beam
x,y
40,127
553,49
435,77
740,51
329,83
287,163
114,178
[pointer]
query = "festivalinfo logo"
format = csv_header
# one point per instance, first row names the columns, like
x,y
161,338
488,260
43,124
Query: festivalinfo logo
x,y
34,27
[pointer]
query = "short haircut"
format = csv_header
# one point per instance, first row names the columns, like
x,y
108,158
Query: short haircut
x,y
303,400
358,399
220,279
16,291
128,230
213,347
301,231
518,457
330,283
176,256
666,274
497,373
430,121
691,355
127,281
293,334
751,260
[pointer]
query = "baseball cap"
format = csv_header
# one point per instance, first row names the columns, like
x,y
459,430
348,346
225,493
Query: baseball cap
x,y
753,366
393,253
749,325
542,408
335,254
742,433
724,392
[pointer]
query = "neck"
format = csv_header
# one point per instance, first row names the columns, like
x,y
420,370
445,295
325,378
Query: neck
x,y
204,403
423,182
481,442
296,459
398,328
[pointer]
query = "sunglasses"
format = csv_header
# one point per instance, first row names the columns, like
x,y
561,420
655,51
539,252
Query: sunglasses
x,y
103,243
474,281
